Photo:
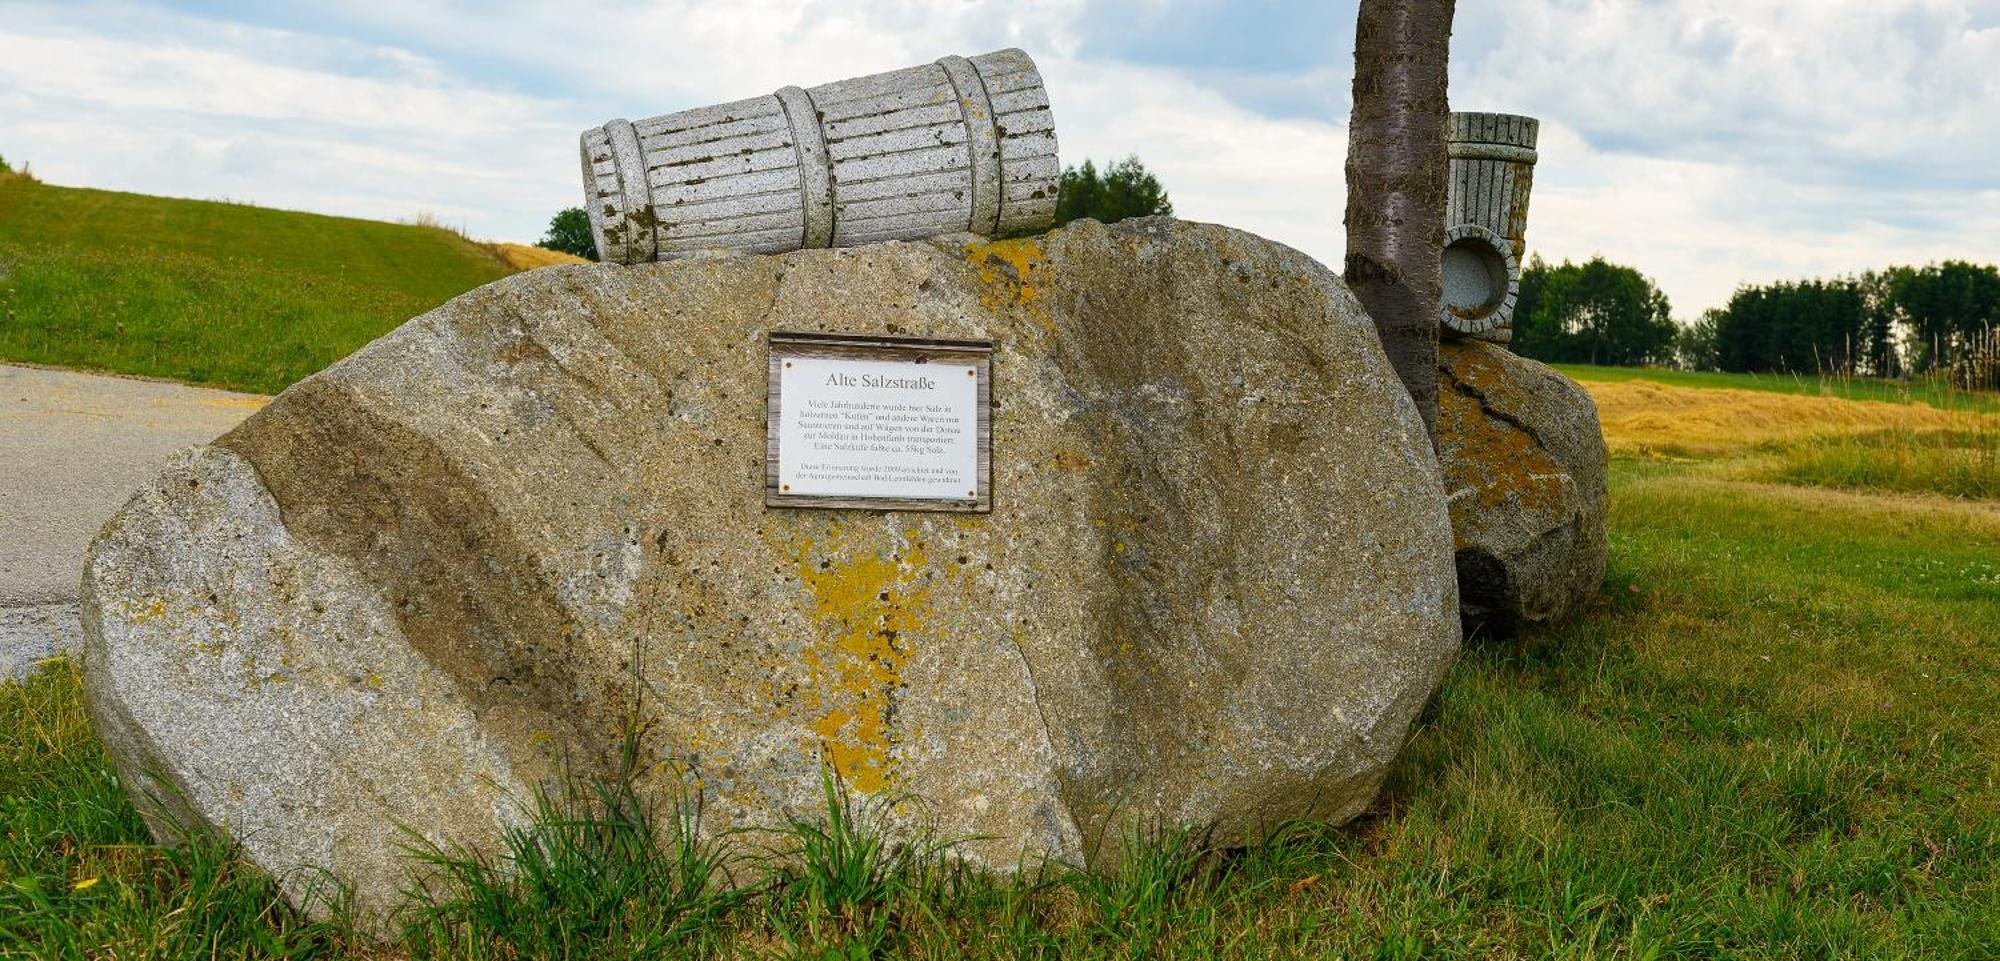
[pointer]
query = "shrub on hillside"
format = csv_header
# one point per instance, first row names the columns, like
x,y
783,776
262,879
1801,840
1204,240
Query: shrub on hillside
x,y
569,232
7,172
1124,189
425,218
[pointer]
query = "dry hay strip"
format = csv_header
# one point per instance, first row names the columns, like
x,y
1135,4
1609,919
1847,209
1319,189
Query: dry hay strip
x,y
1642,416
523,257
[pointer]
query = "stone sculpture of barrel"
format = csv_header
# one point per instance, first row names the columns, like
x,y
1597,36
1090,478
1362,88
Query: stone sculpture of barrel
x,y
963,144
1486,220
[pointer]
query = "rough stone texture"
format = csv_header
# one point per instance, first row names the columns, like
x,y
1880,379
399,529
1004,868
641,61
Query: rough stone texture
x,y
1523,460
1215,588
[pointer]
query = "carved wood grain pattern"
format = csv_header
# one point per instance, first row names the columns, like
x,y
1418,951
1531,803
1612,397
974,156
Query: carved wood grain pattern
x,y
604,197
1492,167
1029,166
961,144
1492,172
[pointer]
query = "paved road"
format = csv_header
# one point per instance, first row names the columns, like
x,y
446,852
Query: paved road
x,y
73,447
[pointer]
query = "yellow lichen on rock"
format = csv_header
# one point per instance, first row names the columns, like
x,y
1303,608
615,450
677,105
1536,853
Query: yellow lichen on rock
x,y
1500,464
1008,273
866,607
1524,465
156,609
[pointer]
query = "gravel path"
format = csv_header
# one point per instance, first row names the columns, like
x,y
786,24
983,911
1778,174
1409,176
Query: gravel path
x,y
73,447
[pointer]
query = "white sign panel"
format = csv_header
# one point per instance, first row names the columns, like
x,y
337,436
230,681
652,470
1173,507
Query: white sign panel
x,y
865,428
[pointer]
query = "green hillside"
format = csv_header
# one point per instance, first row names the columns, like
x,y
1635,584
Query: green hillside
x,y
214,293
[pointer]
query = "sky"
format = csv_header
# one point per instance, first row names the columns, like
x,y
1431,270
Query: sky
x,y
1709,143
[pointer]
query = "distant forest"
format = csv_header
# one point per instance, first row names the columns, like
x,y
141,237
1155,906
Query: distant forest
x,y
1937,320
1941,320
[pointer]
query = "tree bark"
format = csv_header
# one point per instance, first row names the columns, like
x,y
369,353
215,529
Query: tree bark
x,y
1396,179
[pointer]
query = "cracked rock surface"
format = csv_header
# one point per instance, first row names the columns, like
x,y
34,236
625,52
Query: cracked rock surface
x,y
1524,463
1216,586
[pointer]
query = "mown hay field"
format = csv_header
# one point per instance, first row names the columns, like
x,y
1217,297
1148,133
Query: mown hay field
x,y
1820,440
524,257
1927,391
1647,417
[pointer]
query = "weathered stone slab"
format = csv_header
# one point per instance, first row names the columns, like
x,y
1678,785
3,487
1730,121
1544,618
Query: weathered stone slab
x,y
1214,589
1524,463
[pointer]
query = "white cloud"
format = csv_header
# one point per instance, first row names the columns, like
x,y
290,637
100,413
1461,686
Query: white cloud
x,y
1220,162
198,110
181,79
1715,142
1702,227
201,110
1706,142
192,106
1831,86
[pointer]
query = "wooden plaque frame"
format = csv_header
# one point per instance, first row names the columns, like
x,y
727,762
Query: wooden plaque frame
x,y
977,354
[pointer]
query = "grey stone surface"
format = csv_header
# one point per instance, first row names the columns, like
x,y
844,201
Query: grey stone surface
x,y
963,144
73,447
1524,466
1215,588
1492,171
33,633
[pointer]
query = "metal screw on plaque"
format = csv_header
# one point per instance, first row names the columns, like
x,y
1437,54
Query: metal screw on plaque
x,y
963,144
1486,220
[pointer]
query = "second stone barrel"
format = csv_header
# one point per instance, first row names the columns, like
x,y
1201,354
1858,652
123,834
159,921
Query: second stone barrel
x,y
963,144
1492,169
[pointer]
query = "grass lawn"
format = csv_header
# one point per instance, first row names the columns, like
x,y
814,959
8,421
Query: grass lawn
x,y
1932,392
214,293
1773,737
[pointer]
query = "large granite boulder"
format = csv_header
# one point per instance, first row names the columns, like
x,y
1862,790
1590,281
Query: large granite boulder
x,y
1215,587
1524,463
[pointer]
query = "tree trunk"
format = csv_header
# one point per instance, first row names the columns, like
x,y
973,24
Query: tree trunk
x,y
1396,173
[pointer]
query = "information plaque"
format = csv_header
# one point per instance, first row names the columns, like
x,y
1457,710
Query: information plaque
x,y
882,423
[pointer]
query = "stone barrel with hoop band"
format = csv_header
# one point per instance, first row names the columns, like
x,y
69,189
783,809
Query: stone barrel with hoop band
x,y
962,144
1492,170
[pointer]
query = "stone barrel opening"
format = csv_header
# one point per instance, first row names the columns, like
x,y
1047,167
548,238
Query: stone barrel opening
x,y
1478,275
965,144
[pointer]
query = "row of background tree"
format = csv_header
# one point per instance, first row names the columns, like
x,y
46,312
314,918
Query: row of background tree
x,y
1938,319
